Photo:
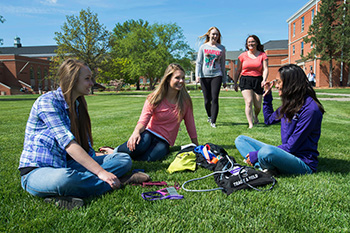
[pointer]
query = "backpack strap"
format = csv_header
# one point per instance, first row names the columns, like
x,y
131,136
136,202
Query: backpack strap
x,y
251,186
200,178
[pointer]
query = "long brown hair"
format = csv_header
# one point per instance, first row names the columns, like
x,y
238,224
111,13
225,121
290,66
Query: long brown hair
x,y
206,35
295,88
68,74
161,91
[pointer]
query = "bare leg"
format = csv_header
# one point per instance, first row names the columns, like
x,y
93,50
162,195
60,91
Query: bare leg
x,y
257,106
248,96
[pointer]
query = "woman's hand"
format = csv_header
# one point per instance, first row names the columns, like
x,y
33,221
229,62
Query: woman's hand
x,y
109,178
268,86
106,150
236,87
197,79
133,141
248,160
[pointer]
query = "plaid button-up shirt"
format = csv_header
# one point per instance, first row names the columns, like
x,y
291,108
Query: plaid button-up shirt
x,y
48,133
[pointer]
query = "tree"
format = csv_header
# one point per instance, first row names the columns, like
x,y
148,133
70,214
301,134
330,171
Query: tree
x,y
131,41
54,65
84,38
343,34
322,35
113,68
149,48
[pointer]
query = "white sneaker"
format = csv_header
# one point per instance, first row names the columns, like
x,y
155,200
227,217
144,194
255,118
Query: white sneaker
x,y
270,172
209,119
213,125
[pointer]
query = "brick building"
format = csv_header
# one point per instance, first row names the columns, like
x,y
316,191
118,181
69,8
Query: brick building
x,y
231,62
276,51
25,69
298,26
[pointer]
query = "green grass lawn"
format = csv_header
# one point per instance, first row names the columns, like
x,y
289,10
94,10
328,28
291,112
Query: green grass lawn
x,y
309,203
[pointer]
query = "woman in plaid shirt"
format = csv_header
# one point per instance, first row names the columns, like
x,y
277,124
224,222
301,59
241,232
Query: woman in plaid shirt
x,y
58,159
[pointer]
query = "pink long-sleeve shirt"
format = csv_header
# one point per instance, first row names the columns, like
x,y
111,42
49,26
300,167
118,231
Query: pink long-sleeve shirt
x,y
163,120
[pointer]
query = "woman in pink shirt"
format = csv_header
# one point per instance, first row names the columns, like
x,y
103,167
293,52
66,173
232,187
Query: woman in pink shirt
x,y
160,119
253,71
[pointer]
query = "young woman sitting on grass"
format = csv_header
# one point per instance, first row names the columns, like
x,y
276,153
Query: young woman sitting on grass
x,y
300,116
160,119
57,159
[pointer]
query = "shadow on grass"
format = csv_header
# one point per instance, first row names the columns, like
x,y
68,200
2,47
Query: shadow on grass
x,y
230,123
135,93
17,99
333,165
261,124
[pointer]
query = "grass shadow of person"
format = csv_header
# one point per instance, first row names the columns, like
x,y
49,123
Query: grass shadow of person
x,y
231,123
333,165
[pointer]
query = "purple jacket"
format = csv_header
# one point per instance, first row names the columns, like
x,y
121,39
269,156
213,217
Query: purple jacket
x,y
299,137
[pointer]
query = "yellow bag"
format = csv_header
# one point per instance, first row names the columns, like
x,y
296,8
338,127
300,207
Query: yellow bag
x,y
183,161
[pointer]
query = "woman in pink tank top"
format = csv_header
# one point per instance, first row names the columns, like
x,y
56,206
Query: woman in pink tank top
x,y
252,71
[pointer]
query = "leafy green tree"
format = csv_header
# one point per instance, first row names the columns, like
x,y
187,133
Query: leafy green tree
x,y
322,35
343,34
149,48
54,65
113,68
171,37
84,38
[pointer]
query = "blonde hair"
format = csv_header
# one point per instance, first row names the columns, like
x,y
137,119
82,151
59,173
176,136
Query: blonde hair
x,y
206,35
183,98
68,74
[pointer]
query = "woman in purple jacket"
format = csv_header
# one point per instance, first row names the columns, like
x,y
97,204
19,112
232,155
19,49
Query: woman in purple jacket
x,y
300,116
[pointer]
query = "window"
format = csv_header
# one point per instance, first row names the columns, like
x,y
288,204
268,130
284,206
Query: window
x,y
32,78
293,49
312,15
39,78
293,29
302,48
302,23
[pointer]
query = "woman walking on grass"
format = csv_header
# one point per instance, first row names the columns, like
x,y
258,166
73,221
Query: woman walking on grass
x,y
210,71
160,119
300,116
253,71
58,160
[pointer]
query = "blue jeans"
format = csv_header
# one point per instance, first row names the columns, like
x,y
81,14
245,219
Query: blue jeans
x,y
75,180
150,148
271,157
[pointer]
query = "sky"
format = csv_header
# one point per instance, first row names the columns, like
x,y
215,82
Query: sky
x,y
36,21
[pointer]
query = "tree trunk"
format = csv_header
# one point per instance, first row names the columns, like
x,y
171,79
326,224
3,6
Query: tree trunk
x,y
330,73
138,85
150,83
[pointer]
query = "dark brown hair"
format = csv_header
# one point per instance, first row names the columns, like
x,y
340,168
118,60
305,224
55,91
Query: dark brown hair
x,y
259,46
295,88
